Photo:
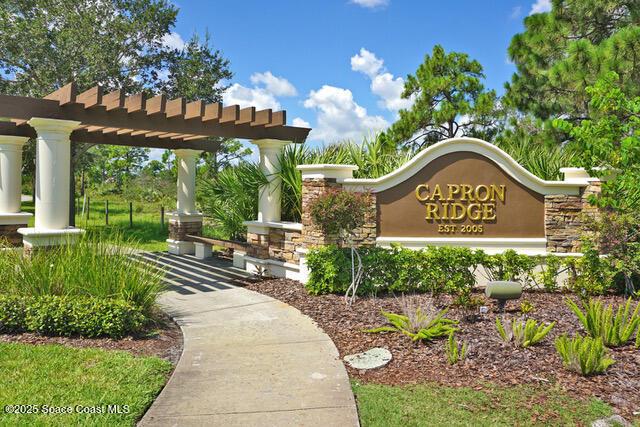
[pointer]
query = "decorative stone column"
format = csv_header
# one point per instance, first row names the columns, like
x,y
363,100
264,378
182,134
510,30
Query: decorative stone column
x,y
186,219
11,219
565,214
53,161
317,180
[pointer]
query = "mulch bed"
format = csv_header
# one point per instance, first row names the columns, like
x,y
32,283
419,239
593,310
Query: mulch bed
x,y
489,359
165,342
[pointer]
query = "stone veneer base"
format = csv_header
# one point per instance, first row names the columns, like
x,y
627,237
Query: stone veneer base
x,y
9,225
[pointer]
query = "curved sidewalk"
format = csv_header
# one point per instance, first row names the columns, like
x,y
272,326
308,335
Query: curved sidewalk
x,y
250,360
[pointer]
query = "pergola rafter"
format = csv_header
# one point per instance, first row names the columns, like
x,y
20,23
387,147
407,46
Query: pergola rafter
x,y
134,120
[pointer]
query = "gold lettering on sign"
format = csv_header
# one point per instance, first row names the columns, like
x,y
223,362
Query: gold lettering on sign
x,y
459,202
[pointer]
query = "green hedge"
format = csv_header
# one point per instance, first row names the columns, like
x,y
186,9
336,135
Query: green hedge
x,y
436,270
69,316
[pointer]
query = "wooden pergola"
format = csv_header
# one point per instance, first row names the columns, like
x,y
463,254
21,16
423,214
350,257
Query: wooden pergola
x,y
114,118
117,119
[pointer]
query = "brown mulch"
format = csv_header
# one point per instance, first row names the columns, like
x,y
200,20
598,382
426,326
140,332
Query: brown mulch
x,y
164,341
489,359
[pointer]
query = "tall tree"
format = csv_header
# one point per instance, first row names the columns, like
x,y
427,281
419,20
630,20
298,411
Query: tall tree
x,y
564,51
117,44
449,100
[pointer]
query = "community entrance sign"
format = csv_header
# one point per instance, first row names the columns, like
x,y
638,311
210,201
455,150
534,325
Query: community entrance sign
x,y
461,194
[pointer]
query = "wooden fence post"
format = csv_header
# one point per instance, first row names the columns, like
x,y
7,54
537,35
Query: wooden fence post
x,y
88,206
162,217
130,214
106,212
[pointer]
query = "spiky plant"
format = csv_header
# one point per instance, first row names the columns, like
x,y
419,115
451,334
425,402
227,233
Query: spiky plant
x,y
456,352
601,322
418,323
585,355
521,333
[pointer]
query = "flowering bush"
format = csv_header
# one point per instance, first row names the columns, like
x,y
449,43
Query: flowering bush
x,y
340,212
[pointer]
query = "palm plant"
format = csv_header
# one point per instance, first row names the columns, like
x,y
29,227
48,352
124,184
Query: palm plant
x,y
542,160
232,198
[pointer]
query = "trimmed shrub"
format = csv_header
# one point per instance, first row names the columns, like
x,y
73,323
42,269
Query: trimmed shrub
x,y
433,269
510,266
69,316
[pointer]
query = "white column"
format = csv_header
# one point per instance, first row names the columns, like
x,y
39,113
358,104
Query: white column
x,y
186,220
11,173
186,160
11,180
53,157
270,195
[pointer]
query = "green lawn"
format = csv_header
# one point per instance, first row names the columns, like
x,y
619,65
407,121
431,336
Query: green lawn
x,y
60,376
434,405
147,228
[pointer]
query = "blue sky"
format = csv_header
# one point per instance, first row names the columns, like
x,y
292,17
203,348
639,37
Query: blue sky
x,y
338,65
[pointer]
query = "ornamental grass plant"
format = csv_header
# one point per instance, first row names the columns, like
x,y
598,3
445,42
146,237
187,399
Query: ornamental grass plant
x,y
95,266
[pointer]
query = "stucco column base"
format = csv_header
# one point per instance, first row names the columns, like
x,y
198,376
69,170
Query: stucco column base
x,y
181,224
34,238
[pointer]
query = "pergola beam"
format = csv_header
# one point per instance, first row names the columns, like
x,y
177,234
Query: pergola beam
x,y
155,120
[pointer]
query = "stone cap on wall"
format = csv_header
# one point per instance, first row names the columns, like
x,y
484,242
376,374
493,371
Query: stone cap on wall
x,y
261,227
327,171
581,175
503,160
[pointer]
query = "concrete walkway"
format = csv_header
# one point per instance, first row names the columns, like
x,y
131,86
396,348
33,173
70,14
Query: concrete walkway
x,y
248,360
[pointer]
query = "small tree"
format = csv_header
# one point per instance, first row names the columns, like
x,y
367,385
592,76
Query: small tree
x,y
340,213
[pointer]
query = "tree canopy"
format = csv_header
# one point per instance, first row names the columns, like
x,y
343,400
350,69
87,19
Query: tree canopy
x,y
119,44
450,100
564,51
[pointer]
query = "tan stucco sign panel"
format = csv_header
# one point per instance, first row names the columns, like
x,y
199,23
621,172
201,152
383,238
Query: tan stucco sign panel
x,y
460,194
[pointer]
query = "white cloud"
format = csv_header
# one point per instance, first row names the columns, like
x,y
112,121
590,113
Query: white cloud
x,y
371,4
264,94
278,86
173,41
248,97
339,116
301,123
540,6
366,62
390,89
383,84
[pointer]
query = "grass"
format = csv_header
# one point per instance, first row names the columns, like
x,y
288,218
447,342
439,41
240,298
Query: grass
x,y
434,405
61,376
147,229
